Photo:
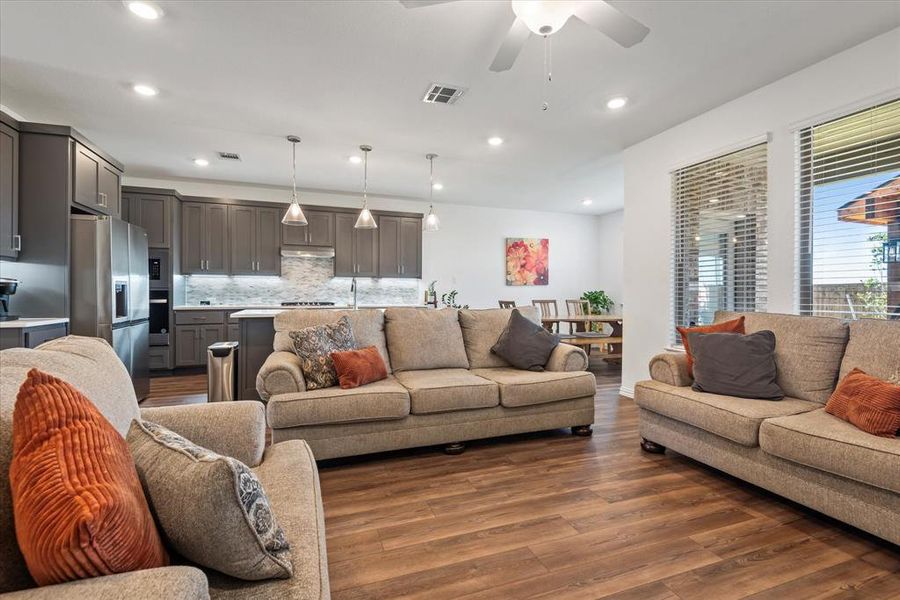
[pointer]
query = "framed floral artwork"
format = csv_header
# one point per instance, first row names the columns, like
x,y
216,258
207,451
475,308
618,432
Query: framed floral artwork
x,y
527,261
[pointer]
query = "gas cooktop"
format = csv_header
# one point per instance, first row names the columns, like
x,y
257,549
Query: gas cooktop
x,y
306,303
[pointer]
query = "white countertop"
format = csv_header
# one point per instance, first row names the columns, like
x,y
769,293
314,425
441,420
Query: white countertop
x,y
268,313
31,323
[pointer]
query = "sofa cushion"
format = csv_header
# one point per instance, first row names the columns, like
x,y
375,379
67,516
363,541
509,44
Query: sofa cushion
x,y
359,367
734,326
443,390
89,364
825,442
868,403
524,388
808,351
289,475
367,325
736,419
873,347
736,365
525,344
385,399
424,338
482,328
314,347
212,508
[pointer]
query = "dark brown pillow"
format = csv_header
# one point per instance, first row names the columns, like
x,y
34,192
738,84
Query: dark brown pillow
x,y
867,402
524,344
733,326
736,365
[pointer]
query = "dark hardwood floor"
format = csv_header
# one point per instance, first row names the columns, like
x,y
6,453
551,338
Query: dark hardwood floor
x,y
551,515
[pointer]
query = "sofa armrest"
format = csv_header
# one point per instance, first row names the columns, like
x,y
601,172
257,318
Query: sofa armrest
x,y
566,357
670,368
166,583
236,429
280,374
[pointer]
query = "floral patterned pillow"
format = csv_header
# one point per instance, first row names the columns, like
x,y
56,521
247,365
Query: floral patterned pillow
x,y
314,346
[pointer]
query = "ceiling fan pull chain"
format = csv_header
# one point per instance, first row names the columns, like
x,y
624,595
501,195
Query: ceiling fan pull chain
x,y
548,76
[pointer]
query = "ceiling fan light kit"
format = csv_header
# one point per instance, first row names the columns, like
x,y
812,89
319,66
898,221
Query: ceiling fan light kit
x,y
294,214
365,219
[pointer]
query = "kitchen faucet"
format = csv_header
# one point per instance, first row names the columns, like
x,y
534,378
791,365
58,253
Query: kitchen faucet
x,y
353,291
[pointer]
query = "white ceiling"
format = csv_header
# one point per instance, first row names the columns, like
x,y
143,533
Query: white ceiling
x,y
239,76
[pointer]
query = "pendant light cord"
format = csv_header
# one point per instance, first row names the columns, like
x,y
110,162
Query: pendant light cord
x,y
365,179
431,185
294,170
548,79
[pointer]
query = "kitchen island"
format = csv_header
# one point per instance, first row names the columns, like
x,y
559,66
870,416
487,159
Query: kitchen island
x,y
31,332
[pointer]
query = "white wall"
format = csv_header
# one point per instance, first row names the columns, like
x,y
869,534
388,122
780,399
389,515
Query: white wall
x,y
608,252
467,253
862,75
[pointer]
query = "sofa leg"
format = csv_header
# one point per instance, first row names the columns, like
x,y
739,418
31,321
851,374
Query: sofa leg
x,y
582,430
652,447
454,448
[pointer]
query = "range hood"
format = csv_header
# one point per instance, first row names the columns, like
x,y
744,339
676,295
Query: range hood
x,y
307,252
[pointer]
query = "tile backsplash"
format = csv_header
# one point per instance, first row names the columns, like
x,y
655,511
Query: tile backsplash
x,y
308,279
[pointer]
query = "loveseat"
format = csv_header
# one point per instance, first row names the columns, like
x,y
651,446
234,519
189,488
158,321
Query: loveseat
x,y
287,471
791,447
444,384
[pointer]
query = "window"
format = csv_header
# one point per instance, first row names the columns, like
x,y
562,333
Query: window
x,y
848,190
719,234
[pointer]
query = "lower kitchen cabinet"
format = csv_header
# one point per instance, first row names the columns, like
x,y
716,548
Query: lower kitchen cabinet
x,y
191,342
160,358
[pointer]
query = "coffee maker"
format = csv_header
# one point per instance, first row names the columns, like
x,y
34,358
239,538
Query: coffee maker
x,y
7,287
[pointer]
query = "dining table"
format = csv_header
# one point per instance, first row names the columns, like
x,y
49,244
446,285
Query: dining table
x,y
587,338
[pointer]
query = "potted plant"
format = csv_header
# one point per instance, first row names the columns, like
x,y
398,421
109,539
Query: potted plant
x,y
600,302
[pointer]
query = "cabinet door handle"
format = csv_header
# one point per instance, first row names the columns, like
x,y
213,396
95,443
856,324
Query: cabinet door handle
x,y
17,242
101,199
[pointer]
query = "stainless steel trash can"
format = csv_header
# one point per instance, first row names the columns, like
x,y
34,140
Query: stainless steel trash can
x,y
221,362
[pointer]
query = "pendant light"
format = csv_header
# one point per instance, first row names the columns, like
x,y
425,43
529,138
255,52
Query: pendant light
x,y
431,223
294,214
365,219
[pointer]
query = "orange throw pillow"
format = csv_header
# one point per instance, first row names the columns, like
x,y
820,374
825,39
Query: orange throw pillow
x,y
867,402
78,506
359,367
733,326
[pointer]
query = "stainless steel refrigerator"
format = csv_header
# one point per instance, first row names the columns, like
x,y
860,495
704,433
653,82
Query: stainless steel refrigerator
x,y
110,290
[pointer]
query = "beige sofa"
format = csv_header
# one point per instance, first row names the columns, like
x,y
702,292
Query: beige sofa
x,y
791,447
444,385
287,471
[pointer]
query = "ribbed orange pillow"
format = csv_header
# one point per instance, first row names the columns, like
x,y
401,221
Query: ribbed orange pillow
x,y
78,506
359,367
733,326
867,402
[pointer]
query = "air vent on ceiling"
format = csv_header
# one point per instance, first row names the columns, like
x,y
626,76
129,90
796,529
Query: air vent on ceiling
x,y
442,93
229,156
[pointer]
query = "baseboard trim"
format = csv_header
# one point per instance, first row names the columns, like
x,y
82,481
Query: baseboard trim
x,y
628,392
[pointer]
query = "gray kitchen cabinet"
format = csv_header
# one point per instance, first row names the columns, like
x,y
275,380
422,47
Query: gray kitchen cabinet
x,y
319,230
159,358
234,332
152,212
31,337
365,251
355,250
242,227
399,247
255,234
95,184
204,238
191,342
10,242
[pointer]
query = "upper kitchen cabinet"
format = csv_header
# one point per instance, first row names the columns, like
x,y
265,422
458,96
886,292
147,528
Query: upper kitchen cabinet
x,y
255,234
153,210
399,247
10,242
204,238
355,250
96,184
319,230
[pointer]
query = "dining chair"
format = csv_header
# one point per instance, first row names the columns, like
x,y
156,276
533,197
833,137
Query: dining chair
x,y
575,308
507,303
548,308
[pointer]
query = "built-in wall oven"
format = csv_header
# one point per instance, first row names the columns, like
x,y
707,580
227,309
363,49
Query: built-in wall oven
x,y
160,297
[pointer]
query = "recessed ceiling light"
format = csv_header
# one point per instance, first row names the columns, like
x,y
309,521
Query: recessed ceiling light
x,y
145,90
145,10
438,186
587,202
355,160
495,141
201,162
617,102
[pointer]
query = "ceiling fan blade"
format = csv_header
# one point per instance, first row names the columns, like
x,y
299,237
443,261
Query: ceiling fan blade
x,y
421,3
511,47
613,22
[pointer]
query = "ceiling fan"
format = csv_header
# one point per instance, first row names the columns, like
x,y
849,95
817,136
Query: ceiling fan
x,y
545,17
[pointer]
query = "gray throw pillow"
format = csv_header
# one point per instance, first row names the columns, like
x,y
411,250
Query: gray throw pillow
x,y
211,508
314,346
524,344
738,365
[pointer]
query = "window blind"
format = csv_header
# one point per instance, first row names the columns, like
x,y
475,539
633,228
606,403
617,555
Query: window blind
x,y
848,198
719,234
